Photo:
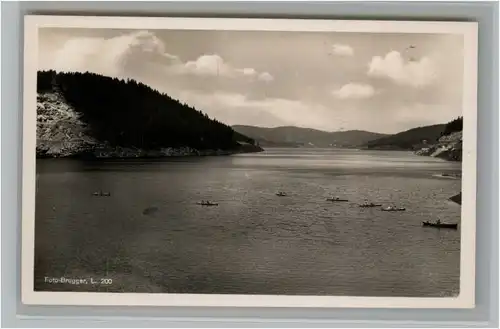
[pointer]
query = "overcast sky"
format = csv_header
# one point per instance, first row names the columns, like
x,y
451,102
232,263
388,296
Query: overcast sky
x,y
328,81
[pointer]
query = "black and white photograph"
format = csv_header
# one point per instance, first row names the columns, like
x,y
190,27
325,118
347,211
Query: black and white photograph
x,y
251,162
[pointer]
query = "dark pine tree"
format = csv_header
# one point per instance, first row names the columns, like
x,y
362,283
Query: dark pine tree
x,y
454,126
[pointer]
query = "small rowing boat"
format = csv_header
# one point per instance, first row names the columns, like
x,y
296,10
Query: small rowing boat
x,y
369,205
101,193
441,225
391,208
207,203
336,199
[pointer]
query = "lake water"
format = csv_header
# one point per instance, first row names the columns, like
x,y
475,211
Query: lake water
x,y
151,236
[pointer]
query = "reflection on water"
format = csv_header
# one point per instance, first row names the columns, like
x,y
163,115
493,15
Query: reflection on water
x,y
149,235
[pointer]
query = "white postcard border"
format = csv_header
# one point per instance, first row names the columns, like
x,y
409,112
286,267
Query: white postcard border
x,y
465,299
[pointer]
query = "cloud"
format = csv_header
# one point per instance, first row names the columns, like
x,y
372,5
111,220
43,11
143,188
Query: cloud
x,y
266,77
212,65
137,51
393,66
342,50
236,108
215,66
354,91
106,56
249,71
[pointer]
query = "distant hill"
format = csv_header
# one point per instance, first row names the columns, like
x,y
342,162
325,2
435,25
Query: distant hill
x,y
412,139
94,114
297,137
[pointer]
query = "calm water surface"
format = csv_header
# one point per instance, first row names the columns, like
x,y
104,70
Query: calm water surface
x,y
150,236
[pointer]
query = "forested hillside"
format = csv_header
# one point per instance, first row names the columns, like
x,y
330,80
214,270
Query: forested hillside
x,y
130,114
410,139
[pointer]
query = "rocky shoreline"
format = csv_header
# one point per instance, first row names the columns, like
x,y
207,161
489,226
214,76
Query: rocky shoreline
x,y
134,153
448,147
